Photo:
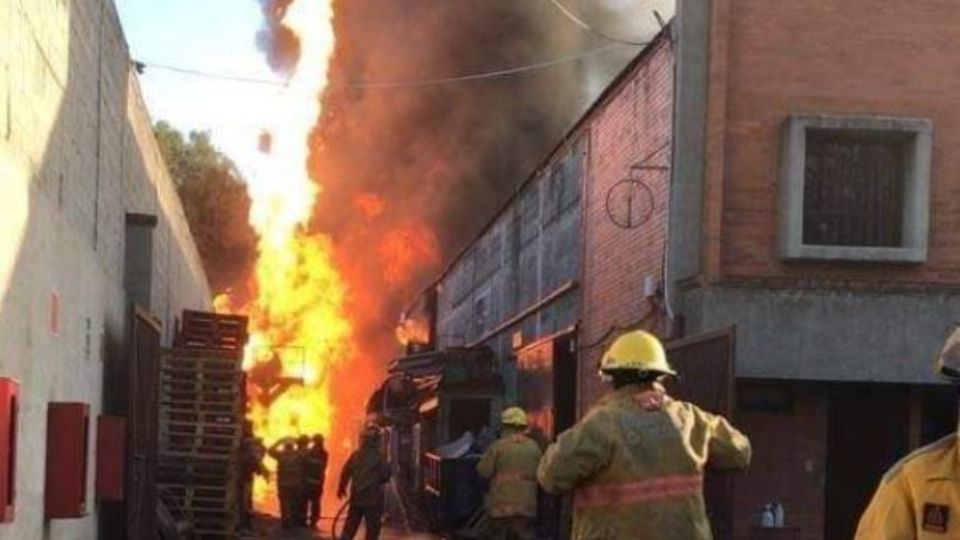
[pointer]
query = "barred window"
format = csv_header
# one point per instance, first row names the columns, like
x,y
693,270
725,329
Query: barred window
x,y
853,188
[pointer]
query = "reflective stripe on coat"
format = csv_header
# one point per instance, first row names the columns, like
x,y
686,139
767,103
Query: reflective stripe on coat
x,y
511,465
636,471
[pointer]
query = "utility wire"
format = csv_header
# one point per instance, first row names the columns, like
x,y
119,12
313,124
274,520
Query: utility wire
x,y
576,19
140,66
486,74
412,83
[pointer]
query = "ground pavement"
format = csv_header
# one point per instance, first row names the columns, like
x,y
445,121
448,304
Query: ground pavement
x,y
268,528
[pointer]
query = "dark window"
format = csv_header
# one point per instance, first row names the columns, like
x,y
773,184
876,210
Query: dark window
x,y
854,188
468,415
481,313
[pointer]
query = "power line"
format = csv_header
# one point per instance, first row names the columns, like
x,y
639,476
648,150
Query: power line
x,y
140,65
486,74
576,19
412,83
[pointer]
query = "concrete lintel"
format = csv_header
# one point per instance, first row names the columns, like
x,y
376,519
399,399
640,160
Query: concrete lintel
x,y
828,335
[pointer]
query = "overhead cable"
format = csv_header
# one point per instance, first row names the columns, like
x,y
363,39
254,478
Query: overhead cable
x,y
395,83
485,74
579,21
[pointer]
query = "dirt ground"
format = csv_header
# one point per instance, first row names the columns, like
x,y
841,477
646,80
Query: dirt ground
x,y
268,528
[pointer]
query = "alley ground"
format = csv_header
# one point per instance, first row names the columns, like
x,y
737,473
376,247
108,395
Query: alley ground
x,y
268,528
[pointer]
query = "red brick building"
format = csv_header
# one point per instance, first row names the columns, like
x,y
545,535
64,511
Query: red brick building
x,y
767,186
812,210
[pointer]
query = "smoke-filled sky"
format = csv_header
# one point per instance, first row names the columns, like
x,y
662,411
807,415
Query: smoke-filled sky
x,y
220,36
409,174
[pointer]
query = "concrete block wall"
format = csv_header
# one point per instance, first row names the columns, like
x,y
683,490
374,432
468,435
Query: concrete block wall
x,y
76,155
631,126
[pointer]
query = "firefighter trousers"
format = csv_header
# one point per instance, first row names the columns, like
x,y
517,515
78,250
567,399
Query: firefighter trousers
x,y
290,498
312,501
371,516
511,528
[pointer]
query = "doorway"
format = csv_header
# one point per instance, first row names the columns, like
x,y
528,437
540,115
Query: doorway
x,y
866,434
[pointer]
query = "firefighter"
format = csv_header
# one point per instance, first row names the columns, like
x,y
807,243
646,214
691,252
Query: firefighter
x,y
252,454
511,465
635,462
315,472
919,497
366,472
289,479
300,508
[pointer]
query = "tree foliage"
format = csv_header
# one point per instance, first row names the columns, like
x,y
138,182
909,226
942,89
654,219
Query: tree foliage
x,y
216,204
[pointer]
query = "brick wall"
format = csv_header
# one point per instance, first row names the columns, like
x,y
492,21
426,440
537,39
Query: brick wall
x,y
631,126
862,57
76,155
789,460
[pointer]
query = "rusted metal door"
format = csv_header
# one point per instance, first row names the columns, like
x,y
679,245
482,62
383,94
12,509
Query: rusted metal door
x,y
705,364
546,389
535,387
142,426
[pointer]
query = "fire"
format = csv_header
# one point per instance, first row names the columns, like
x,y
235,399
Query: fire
x,y
370,204
314,354
300,332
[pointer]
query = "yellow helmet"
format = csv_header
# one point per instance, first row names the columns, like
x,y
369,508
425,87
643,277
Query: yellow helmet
x,y
948,362
514,416
636,350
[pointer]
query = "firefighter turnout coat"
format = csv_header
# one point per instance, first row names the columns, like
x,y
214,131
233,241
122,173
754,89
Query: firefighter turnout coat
x,y
366,470
635,465
918,498
511,466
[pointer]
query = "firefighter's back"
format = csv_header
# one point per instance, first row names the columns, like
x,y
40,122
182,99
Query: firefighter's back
x,y
637,472
513,483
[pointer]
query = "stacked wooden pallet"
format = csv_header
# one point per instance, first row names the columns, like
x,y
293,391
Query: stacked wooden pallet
x,y
201,422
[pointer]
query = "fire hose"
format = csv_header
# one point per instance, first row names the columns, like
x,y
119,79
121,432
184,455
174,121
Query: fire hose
x,y
336,519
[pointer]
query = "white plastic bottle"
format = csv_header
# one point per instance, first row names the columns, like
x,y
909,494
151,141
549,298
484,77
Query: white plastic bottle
x,y
779,515
767,519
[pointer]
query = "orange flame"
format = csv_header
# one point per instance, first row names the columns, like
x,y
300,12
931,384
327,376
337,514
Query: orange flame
x,y
371,204
413,330
312,359
300,332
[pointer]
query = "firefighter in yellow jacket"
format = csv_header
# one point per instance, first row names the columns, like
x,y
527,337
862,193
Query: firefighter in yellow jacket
x,y
635,462
511,466
919,498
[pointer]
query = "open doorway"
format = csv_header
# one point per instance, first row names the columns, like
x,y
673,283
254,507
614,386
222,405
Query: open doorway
x,y
867,433
564,383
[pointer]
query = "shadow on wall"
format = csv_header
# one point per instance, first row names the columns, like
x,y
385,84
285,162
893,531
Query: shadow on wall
x,y
62,304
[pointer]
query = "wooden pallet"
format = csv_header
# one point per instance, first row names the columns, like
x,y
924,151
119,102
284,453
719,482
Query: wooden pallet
x,y
195,355
202,388
212,331
205,492
174,405
196,479
199,443
205,417
200,422
175,374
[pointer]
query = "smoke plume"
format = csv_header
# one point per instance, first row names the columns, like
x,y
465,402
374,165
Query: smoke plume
x,y
411,173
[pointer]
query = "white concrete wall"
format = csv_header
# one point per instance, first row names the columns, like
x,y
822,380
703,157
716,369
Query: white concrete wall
x,y
76,155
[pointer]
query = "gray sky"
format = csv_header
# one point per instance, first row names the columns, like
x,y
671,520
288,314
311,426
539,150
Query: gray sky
x,y
219,36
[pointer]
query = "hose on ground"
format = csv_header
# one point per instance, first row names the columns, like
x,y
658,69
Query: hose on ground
x,y
336,519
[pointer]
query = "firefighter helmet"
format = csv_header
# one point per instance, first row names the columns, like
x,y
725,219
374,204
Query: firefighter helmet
x,y
636,351
371,432
948,363
514,416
